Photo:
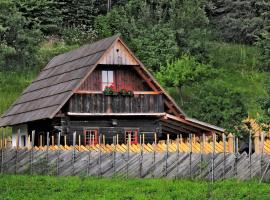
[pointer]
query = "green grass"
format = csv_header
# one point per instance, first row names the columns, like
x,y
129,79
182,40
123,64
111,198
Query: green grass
x,y
12,85
45,187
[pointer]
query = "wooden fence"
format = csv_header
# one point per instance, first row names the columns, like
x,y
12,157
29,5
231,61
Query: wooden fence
x,y
193,158
211,166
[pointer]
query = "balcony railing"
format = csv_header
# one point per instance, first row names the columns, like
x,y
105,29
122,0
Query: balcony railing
x,y
99,103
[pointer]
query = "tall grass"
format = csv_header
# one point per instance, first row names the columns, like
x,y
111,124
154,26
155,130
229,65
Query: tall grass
x,y
45,187
11,86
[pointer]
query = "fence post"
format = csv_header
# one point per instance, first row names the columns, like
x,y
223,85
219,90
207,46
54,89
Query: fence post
x,y
58,153
178,156
190,154
32,152
224,155
262,152
128,148
213,155
47,150
65,140
99,157
79,142
167,154
249,153
140,160
89,156
114,149
154,155
74,153
257,142
230,143
201,156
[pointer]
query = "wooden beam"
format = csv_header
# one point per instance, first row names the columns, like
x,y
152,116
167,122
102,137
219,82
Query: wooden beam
x,y
115,114
101,92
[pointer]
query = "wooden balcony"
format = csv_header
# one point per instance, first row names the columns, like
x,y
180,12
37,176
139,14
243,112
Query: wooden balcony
x,y
96,104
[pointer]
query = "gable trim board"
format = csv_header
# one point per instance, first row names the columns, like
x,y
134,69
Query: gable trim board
x,y
63,76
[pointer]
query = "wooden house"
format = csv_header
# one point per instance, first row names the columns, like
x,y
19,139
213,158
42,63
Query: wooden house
x,y
98,89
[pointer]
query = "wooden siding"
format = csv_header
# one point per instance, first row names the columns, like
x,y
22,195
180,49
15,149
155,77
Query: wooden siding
x,y
118,55
99,103
146,125
124,77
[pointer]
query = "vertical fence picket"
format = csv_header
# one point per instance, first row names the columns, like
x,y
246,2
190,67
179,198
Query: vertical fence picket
x,y
154,155
177,157
213,156
140,160
128,149
32,152
261,153
190,154
16,151
58,154
113,156
167,154
99,156
249,154
201,156
47,151
74,153
224,155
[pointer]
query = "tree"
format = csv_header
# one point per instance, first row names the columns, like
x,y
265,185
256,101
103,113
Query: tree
x,y
41,13
183,72
214,103
239,21
158,31
264,46
18,42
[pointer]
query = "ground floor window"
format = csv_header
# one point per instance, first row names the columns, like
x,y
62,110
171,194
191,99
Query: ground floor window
x,y
90,136
133,136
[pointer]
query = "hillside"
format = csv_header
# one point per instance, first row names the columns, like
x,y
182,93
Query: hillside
x,y
218,74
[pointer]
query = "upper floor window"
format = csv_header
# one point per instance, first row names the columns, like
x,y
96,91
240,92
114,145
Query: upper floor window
x,y
107,78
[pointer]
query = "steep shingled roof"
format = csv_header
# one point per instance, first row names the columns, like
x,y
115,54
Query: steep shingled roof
x,y
55,84
62,76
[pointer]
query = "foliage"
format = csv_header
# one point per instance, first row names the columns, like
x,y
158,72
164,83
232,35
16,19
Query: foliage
x,y
41,13
239,21
46,187
168,25
264,47
11,86
18,42
213,102
183,72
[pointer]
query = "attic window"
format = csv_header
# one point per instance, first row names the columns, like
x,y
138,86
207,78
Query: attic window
x,y
107,78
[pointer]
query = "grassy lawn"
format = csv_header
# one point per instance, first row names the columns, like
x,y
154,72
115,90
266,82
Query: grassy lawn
x,y
44,187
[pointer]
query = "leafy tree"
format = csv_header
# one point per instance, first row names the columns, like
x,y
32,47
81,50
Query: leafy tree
x,y
239,21
43,13
18,42
214,103
183,72
264,47
158,31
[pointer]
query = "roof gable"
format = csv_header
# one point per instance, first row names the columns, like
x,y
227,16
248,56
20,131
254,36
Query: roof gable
x,y
118,54
65,73
55,83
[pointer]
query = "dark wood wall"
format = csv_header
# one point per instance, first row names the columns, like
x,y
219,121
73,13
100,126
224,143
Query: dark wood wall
x,y
99,103
124,77
147,125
